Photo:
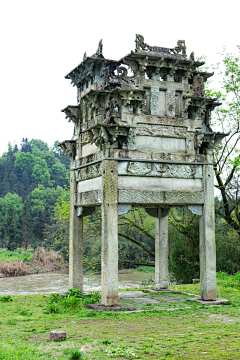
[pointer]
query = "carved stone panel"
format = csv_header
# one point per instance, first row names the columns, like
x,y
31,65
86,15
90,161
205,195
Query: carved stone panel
x,y
154,105
160,170
161,130
89,172
88,198
160,197
178,104
171,103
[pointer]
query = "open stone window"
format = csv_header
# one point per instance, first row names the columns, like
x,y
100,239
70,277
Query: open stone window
x,y
141,140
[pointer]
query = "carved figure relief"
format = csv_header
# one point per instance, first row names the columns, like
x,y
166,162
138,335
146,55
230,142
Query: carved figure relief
x,y
170,103
139,168
161,130
190,141
197,86
135,168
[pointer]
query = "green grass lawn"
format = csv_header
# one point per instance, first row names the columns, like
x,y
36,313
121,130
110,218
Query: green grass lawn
x,y
6,255
201,332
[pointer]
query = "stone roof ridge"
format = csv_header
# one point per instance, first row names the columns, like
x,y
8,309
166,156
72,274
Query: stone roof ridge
x,y
179,50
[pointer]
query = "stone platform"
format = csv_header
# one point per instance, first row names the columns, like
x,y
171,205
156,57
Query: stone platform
x,y
218,301
147,300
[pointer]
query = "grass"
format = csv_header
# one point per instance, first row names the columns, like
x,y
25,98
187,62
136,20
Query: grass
x,y
201,332
7,256
145,269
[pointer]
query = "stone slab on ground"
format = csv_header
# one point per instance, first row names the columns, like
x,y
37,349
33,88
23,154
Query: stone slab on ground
x,y
143,300
156,291
218,301
161,309
129,293
119,307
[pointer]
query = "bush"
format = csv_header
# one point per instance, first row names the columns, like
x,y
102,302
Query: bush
x,y
6,298
74,300
76,355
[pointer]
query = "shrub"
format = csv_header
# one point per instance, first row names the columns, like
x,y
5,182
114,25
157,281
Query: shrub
x,y
146,269
74,300
6,298
76,355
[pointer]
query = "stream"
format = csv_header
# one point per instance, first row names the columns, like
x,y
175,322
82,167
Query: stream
x,y
57,282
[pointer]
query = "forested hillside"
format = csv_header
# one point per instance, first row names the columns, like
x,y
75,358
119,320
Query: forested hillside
x,y
32,177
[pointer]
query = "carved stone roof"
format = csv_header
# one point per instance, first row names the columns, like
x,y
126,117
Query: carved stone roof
x,y
90,60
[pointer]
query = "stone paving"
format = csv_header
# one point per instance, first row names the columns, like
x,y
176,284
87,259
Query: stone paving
x,y
150,299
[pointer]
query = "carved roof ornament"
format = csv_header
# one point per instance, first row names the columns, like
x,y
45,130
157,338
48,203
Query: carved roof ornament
x,y
191,57
142,46
69,148
99,53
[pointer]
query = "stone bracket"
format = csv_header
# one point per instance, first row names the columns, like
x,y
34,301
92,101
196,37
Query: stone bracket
x,y
196,209
123,208
85,211
152,211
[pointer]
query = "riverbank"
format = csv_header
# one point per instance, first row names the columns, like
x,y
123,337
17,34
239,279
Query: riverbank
x,y
19,263
193,332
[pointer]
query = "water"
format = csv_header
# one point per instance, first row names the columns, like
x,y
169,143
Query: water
x,y
57,282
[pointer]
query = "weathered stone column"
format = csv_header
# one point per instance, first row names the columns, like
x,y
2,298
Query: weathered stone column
x,y
161,249
207,248
75,240
109,232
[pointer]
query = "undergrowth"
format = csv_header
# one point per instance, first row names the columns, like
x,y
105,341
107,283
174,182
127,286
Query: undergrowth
x,y
74,300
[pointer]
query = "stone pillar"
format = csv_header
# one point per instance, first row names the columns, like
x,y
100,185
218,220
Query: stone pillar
x,y
207,248
109,267
75,240
161,249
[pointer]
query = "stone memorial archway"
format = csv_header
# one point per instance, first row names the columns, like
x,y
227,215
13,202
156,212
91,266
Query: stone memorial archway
x,y
141,138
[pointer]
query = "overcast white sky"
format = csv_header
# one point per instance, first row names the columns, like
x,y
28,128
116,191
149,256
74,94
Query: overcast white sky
x,y
41,41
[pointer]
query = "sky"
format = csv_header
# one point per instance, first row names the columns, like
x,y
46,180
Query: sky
x,y
42,41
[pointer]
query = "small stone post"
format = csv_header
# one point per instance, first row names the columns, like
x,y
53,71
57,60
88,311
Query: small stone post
x,y
75,240
161,249
57,335
109,232
207,247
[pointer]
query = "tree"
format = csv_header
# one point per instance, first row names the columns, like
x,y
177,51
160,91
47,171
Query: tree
x,y
25,146
41,172
26,224
11,230
41,145
227,156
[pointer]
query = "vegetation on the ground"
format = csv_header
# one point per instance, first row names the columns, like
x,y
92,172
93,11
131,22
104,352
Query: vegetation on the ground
x,y
197,332
17,263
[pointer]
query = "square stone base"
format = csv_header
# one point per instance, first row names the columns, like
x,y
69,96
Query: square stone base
x,y
218,301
